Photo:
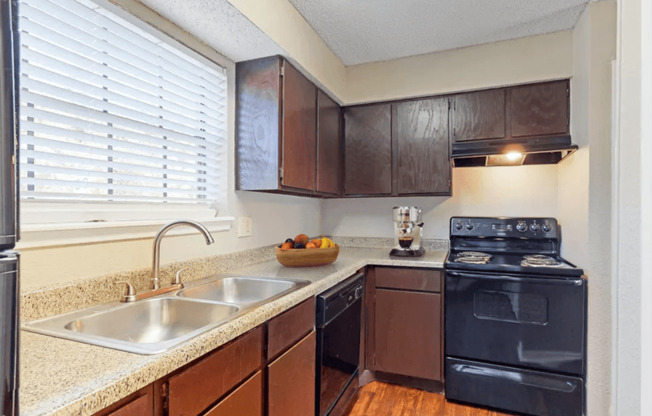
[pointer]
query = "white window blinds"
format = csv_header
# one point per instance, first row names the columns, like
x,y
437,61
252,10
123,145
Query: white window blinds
x,y
110,112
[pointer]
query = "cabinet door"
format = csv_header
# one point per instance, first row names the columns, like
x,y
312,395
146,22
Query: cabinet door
x,y
291,380
246,400
258,103
539,109
299,130
328,145
423,157
368,150
407,331
478,115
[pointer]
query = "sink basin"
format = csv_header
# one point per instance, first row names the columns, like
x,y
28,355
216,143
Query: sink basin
x,y
157,324
147,327
243,291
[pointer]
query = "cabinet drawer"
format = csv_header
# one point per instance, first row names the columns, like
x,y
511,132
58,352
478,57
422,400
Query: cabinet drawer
x,y
140,403
427,280
246,400
194,389
289,327
139,407
291,380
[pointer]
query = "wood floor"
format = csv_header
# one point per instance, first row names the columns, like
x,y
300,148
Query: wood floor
x,y
382,399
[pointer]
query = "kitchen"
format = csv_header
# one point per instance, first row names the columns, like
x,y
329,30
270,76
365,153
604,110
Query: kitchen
x,y
577,191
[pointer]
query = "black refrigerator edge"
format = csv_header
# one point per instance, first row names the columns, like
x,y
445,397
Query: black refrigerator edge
x,y
9,282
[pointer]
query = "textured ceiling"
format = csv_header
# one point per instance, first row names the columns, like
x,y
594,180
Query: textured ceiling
x,y
218,24
360,31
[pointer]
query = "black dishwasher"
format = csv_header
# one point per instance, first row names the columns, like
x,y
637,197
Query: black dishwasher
x,y
339,312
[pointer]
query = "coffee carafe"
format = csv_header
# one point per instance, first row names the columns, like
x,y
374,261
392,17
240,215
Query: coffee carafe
x,y
407,232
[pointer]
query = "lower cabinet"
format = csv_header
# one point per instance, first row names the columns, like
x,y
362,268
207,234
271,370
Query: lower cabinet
x,y
405,322
270,370
291,380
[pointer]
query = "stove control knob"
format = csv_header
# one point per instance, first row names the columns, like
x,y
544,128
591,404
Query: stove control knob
x,y
521,226
469,226
458,225
545,227
534,227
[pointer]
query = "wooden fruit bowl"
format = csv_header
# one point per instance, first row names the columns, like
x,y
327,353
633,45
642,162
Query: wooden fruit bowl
x,y
307,257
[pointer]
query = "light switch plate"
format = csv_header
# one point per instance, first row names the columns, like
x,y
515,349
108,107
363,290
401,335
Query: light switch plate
x,y
244,226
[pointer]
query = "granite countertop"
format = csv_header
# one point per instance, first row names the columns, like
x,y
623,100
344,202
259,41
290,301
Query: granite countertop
x,y
61,377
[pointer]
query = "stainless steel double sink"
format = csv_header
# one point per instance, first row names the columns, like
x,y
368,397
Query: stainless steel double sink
x,y
157,324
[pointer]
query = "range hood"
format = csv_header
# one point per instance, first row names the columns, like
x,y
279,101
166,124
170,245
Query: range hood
x,y
512,152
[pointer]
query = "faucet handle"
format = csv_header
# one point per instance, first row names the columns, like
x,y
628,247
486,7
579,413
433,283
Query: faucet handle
x,y
177,276
130,296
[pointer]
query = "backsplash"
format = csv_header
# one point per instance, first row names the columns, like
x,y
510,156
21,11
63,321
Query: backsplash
x,y
62,298
67,297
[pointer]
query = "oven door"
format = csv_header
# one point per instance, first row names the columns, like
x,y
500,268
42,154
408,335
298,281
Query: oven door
x,y
533,322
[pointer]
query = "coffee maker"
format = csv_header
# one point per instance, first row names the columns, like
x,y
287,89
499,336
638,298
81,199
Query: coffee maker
x,y
407,232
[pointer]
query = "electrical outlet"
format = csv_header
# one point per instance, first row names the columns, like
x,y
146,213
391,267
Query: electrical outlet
x,y
244,226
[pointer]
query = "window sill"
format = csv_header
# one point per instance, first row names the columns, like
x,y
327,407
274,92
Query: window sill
x,y
34,236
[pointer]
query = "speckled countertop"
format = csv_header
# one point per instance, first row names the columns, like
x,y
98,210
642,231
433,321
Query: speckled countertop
x,y
60,377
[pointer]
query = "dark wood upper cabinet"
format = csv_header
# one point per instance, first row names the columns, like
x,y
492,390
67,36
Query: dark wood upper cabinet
x,y
540,109
422,147
530,110
299,130
258,124
277,134
289,133
328,145
368,150
478,115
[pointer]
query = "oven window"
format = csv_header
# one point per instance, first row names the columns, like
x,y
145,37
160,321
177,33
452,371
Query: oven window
x,y
510,307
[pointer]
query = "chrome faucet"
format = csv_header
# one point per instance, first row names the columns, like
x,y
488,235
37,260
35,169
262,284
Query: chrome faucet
x,y
132,296
157,245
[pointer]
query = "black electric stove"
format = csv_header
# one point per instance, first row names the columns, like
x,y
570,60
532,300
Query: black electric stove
x,y
515,317
508,245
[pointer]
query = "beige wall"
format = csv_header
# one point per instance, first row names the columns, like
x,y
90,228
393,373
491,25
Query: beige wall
x,y
285,26
585,188
490,65
495,191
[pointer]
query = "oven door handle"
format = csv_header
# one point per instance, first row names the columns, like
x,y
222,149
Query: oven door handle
x,y
575,281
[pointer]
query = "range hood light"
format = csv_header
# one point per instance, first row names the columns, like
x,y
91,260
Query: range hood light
x,y
507,159
514,151
513,155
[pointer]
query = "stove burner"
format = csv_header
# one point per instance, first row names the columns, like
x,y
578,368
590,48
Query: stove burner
x,y
473,254
540,260
473,257
473,260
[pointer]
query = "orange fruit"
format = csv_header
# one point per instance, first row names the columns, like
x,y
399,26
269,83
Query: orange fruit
x,y
316,242
286,246
302,239
311,245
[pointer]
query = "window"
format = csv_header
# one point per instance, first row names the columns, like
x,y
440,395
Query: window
x,y
114,116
